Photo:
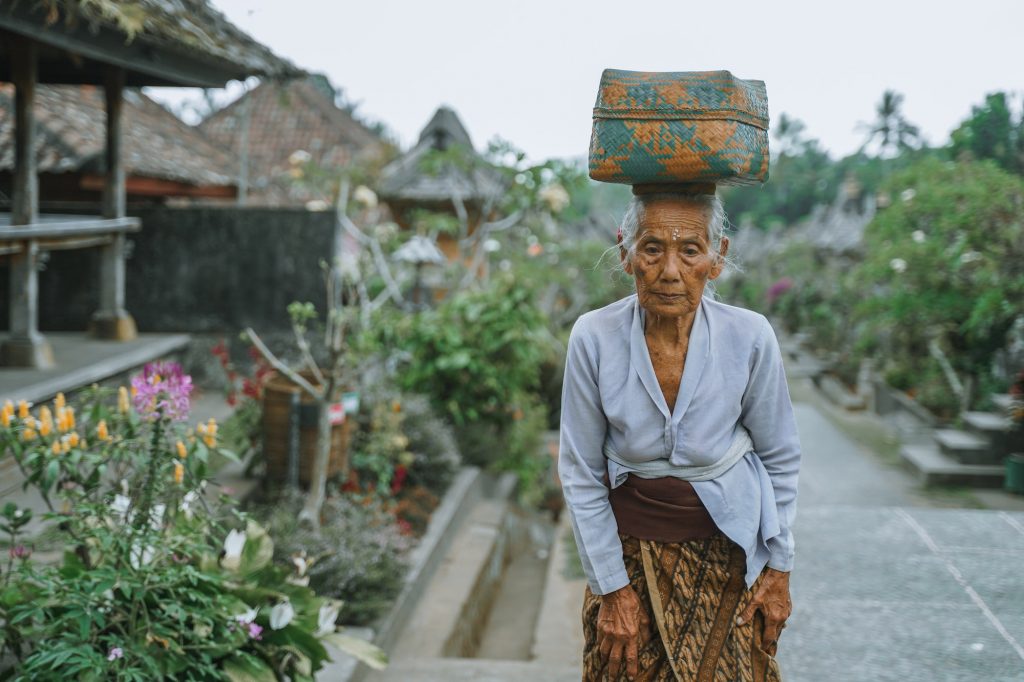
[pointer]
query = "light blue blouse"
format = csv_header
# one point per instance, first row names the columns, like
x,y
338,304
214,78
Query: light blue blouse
x,y
733,379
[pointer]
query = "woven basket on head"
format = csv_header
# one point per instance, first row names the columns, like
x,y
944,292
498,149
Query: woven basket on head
x,y
679,127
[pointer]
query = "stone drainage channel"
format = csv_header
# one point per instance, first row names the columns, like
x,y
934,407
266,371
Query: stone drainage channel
x,y
488,612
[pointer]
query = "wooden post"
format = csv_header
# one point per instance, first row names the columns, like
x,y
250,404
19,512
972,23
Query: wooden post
x,y
112,321
25,347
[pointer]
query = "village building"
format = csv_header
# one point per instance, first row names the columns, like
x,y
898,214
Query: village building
x,y
112,46
465,185
291,139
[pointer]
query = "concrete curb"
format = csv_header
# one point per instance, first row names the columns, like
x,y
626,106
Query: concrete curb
x,y
461,495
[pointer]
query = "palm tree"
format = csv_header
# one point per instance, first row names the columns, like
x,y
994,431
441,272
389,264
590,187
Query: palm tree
x,y
892,131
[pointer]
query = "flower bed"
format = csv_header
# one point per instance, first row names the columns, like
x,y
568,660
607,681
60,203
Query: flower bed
x,y
156,582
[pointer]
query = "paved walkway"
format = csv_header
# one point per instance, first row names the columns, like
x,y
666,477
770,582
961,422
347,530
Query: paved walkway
x,y
886,588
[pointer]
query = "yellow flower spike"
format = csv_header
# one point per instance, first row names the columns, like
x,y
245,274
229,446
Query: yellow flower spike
x,y
179,472
123,404
9,406
28,434
5,417
135,391
30,422
182,451
58,401
56,447
65,445
71,417
45,428
101,430
23,409
73,439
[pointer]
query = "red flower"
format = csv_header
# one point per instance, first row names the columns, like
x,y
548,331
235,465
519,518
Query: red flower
x,y
399,478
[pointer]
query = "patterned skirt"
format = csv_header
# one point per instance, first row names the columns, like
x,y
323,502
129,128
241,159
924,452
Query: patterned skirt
x,y
693,591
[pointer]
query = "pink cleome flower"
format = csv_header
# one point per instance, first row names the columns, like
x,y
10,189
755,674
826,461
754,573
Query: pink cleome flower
x,y
162,391
255,631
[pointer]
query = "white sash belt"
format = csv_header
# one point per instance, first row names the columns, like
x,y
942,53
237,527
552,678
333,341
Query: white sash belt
x,y
656,468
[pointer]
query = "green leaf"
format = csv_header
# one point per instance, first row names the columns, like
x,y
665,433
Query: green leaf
x,y
246,668
366,652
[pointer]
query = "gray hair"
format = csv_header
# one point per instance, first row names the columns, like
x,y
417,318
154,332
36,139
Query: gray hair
x,y
718,222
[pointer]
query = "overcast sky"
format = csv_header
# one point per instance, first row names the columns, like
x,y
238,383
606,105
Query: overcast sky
x,y
528,70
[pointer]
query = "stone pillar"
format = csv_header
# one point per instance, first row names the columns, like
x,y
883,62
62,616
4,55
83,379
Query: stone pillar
x,y
25,347
112,321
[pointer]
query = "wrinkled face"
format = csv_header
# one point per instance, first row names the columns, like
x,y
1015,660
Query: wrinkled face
x,y
672,259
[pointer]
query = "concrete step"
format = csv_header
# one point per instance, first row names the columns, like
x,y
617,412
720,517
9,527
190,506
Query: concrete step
x,y
1003,434
476,670
836,391
966,448
1003,401
933,467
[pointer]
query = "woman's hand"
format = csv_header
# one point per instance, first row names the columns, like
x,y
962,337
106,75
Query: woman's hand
x,y
772,600
618,630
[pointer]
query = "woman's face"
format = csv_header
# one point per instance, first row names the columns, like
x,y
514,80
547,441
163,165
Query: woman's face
x,y
673,260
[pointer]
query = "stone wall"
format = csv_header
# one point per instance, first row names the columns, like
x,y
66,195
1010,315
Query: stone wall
x,y
200,270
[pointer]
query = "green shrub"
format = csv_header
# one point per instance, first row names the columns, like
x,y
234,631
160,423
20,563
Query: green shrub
x,y
358,556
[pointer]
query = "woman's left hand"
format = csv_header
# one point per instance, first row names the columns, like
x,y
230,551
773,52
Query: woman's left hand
x,y
772,600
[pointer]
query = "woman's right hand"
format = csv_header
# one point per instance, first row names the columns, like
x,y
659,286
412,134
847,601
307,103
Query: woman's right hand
x,y
618,630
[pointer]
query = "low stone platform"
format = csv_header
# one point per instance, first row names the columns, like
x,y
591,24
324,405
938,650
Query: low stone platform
x,y
82,360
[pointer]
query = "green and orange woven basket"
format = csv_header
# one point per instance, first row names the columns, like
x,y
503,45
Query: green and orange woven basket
x,y
679,128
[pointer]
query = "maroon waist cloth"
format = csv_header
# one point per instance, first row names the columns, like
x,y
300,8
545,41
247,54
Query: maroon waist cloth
x,y
662,509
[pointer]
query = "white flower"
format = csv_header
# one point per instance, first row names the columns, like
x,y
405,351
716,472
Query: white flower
x,y
492,245
316,205
190,498
555,196
898,264
234,543
156,516
120,506
246,617
299,157
140,556
907,195
918,236
326,618
365,196
281,615
969,257
300,562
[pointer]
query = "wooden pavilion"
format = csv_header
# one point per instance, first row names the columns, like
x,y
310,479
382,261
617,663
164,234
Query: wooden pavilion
x,y
114,44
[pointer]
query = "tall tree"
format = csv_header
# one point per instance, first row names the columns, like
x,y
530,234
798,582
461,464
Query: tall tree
x,y
991,133
891,130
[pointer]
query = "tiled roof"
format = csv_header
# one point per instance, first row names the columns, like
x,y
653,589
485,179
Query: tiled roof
x,y
284,118
71,136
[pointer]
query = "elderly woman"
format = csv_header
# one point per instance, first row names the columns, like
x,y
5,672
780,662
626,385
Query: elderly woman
x,y
678,460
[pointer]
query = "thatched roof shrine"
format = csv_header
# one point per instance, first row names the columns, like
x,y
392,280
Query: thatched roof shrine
x,y
157,42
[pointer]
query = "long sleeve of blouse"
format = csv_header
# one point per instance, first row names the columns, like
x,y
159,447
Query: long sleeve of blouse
x,y
733,379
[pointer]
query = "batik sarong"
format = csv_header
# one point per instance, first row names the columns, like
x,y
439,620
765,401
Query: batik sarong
x,y
692,592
